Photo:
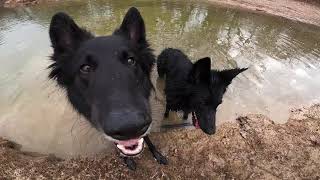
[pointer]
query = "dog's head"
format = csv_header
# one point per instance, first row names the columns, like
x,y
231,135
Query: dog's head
x,y
107,79
207,92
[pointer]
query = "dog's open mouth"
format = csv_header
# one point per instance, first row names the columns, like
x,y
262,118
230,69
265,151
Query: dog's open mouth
x,y
195,120
132,147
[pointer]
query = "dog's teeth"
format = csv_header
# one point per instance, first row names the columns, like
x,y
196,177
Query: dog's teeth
x,y
122,148
136,151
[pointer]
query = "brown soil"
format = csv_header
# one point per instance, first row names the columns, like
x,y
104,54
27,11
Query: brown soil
x,y
306,11
252,148
16,3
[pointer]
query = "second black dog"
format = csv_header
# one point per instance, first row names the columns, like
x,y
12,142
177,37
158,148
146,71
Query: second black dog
x,y
193,88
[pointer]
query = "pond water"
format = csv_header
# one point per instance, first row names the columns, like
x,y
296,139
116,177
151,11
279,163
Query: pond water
x,y
283,59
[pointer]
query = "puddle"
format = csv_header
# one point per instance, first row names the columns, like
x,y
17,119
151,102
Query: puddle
x,y
283,59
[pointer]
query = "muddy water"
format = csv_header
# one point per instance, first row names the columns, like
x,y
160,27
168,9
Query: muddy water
x,y
283,59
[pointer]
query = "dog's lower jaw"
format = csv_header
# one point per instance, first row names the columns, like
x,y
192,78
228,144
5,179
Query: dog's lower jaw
x,y
129,161
130,148
140,143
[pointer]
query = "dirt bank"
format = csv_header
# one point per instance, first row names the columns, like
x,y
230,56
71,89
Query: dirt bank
x,y
306,11
17,3
252,148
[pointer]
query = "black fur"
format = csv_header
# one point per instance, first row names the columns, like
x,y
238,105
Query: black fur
x,y
193,88
107,78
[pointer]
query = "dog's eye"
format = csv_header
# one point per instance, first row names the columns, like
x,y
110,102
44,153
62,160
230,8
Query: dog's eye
x,y
85,69
131,61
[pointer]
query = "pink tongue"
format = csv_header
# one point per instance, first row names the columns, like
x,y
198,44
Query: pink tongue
x,y
195,121
197,124
130,142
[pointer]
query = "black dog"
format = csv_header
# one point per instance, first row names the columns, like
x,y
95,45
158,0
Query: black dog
x,y
193,88
107,79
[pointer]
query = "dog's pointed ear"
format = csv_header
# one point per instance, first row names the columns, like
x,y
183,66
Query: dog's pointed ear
x,y
202,70
65,34
226,76
133,26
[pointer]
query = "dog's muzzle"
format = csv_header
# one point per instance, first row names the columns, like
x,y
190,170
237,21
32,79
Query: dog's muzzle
x,y
132,147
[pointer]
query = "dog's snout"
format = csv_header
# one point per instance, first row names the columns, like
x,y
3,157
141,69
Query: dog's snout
x,y
126,125
210,131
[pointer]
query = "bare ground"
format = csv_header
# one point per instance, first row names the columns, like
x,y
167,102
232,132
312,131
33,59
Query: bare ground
x,y
16,3
252,148
306,11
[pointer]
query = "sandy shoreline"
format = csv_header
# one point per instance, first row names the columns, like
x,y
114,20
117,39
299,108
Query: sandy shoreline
x,y
253,148
301,11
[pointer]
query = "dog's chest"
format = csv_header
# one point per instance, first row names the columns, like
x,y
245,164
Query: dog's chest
x,y
177,97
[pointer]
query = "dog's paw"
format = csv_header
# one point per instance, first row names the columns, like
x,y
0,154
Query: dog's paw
x,y
131,164
160,158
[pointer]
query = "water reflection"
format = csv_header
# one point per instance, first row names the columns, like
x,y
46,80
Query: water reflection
x,y
283,58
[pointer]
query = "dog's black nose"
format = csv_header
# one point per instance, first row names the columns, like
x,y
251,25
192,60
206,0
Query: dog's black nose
x,y
209,130
126,125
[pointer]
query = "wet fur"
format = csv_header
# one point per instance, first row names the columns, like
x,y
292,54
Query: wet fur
x,y
112,94
193,87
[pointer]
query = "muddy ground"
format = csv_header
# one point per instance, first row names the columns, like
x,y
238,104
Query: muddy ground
x,y
252,148
17,3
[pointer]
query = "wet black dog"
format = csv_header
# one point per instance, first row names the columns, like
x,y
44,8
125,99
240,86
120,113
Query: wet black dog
x,y
193,88
107,79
